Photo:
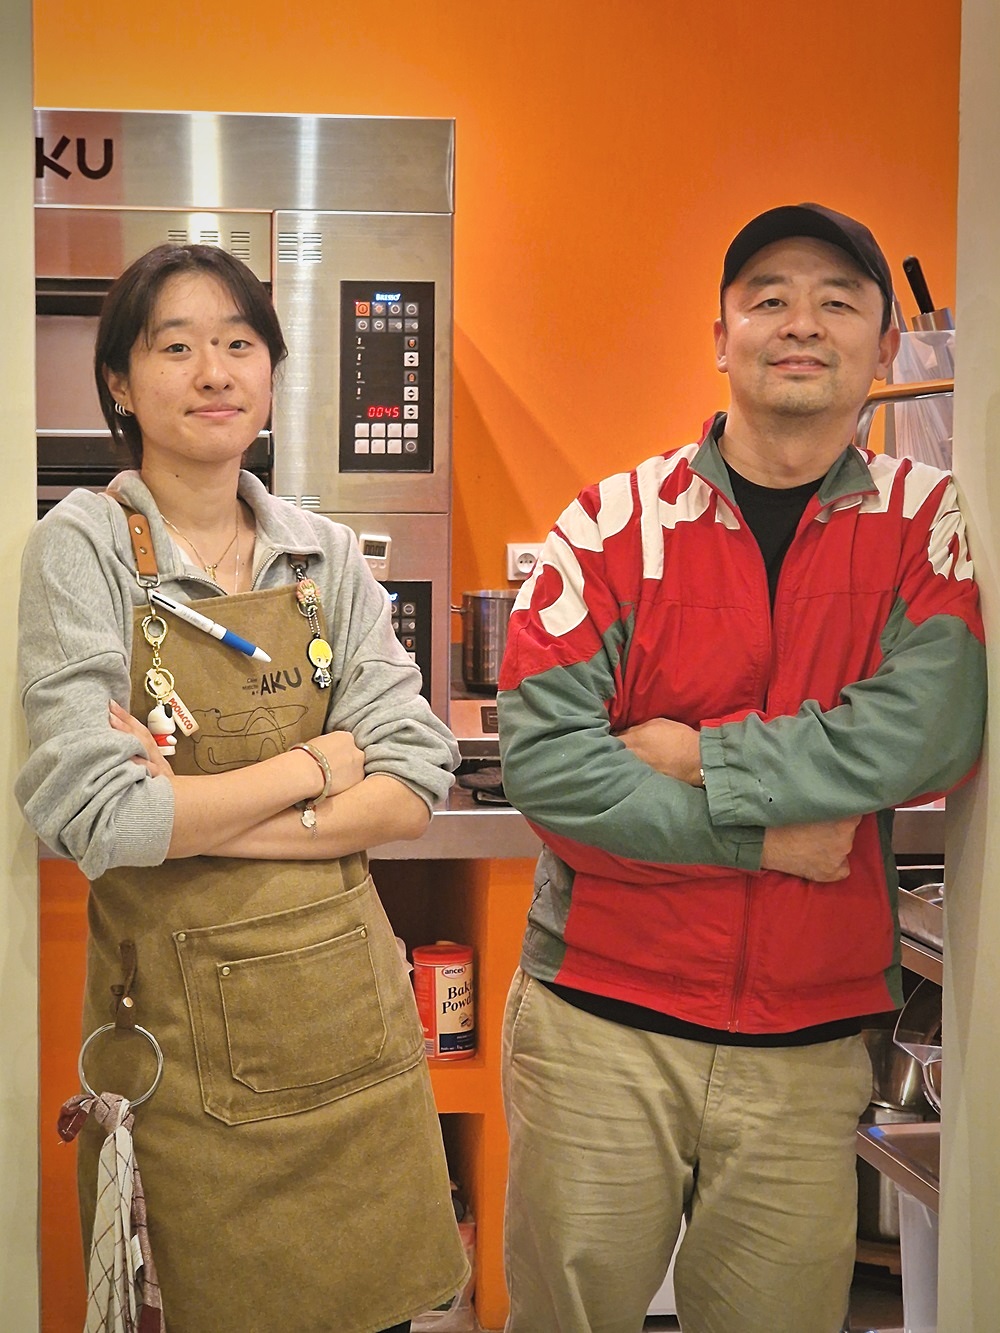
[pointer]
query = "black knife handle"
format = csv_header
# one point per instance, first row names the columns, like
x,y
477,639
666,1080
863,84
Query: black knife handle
x,y
918,284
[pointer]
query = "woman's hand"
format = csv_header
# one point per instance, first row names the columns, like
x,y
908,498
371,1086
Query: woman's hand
x,y
347,762
153,760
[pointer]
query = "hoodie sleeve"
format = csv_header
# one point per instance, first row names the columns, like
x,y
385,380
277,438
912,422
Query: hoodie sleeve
x,y
377,693
79,789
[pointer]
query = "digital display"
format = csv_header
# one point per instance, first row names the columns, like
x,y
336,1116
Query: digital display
x,y
387,354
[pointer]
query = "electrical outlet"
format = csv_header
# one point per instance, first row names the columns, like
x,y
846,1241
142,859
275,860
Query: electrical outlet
x,y
521,557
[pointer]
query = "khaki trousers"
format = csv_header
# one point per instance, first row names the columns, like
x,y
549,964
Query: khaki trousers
x,y
616,1134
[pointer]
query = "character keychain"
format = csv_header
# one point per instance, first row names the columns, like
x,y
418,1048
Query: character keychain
x,y
163,728
318,651
168,711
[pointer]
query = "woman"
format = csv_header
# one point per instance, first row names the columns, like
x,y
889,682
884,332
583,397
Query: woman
x,y
291,1156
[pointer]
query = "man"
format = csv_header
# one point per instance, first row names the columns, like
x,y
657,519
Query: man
x,y
726,670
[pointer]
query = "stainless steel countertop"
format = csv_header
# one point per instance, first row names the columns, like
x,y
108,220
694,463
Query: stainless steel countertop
x,y
467,830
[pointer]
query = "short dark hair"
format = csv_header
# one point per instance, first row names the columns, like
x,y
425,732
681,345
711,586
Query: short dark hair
x,y
128,311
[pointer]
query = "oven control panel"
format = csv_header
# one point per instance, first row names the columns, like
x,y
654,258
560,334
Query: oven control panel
x,y
387,377
410,601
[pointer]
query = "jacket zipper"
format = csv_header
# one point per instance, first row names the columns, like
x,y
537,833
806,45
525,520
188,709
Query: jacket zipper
x,y
741,962
741,965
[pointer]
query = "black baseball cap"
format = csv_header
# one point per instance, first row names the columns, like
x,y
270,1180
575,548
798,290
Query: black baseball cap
x,y
809,220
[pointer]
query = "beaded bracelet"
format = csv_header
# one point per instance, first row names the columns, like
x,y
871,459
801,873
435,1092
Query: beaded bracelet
x,y
308,807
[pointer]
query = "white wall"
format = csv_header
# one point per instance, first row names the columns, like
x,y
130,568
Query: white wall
x,y
969,1277
19,876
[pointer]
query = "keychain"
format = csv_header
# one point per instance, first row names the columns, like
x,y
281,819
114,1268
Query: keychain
x,y
169,710
159,682
318,651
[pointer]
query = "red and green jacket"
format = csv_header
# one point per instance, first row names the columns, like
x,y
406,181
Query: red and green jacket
x,y
862,690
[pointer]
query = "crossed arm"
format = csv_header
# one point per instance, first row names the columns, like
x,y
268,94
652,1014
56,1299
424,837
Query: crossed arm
x,y
249,812
817,851
783,793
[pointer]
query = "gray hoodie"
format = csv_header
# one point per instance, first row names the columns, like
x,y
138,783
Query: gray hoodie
x,y
79,790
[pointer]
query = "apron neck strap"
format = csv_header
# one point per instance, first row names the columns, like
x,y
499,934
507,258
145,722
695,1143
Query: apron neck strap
x,y
146,572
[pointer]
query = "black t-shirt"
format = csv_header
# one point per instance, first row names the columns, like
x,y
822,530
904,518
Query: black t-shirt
x,y
772,515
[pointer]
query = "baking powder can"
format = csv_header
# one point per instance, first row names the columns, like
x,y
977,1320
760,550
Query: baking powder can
x,y
442,982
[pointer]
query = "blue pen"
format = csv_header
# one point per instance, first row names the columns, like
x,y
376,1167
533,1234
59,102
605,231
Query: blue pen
x,y
195,618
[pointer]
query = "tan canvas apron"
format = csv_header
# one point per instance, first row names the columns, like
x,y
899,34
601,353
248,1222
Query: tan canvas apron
x,y
291,1156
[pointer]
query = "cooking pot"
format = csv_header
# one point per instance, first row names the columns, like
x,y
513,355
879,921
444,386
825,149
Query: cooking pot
x,y
484,635
896,1075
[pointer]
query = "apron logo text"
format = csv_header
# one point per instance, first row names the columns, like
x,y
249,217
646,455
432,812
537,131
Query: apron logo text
x,y
273,681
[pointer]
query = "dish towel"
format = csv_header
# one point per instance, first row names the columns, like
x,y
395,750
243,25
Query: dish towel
x,y
123,1295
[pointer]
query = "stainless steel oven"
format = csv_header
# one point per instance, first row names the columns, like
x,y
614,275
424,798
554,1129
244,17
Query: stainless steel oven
x,y
349,220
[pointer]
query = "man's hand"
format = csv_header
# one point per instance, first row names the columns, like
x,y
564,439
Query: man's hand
x,y
811,851
672,748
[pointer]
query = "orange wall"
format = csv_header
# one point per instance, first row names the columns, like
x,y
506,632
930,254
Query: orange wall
x,y
606,155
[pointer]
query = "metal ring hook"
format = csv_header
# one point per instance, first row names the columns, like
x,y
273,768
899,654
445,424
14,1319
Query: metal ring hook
x,y
108,1027
154,629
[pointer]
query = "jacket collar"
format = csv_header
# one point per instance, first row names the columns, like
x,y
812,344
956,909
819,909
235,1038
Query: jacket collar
x,y
848,478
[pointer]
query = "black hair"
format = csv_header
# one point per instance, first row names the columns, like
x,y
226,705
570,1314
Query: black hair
x,y
128,311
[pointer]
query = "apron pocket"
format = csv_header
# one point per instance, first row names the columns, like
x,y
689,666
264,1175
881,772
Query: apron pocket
x,y
331,984
296,1009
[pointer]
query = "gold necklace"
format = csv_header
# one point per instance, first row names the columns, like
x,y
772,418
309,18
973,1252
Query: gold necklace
x,y
211,567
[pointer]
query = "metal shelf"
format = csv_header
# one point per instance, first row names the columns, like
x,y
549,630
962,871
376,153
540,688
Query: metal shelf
x,y
921,958
910,1155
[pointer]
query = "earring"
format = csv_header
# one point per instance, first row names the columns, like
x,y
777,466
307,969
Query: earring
x,y
122,410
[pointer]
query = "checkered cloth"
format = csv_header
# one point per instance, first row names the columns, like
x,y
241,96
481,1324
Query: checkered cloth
x,y
122,1292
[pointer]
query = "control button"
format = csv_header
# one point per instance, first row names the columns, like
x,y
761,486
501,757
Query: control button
x,y
413,307
362,325
378,307
361,428
411,325
410,626
410,394
378,325
409,608
395,446
378,428
411,358
378,446
362,307
411,377
361,446
411,411
412,656
395,326
409,643
412,344
409,446
395,308
395,428
410,429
